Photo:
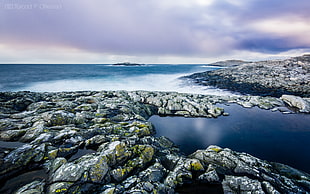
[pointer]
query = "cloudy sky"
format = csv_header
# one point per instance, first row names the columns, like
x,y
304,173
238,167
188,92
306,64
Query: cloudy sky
x,y
151,31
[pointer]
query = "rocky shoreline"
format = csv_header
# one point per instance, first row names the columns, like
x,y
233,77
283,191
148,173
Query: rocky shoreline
x,y
101,142
264,78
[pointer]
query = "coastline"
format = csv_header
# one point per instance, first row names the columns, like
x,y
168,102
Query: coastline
x,y
125,155
263,78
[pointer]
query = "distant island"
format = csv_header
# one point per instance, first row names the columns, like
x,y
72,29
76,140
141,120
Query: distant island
x,y
229,63
128,64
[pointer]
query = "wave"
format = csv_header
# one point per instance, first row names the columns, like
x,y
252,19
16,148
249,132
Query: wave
x,y
148,82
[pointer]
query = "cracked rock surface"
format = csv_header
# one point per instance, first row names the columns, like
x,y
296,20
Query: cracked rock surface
x,y
101,142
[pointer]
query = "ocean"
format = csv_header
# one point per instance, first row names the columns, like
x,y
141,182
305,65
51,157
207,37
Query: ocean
x,y
97,77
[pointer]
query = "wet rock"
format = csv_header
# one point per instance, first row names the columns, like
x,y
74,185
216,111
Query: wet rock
x,y
10,124
66,151
116,152
32,188
269,188
120,173
170,161
210,176
58,118
226,161
96,140
154,173
55,164
68,172
11,135
297,102
34,131
95,166
41,107
60,187
26,157
233,184
25,154
215,111
183,172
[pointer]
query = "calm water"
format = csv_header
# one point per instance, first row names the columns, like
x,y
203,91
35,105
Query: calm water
x,y
268,135
73,77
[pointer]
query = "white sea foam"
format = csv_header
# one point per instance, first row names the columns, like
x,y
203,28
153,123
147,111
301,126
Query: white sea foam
x,y
149,82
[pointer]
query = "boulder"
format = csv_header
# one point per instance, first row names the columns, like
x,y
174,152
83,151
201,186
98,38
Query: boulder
x,y
297,102
233,184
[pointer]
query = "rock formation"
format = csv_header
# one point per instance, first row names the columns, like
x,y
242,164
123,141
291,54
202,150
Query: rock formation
x,y
264,78
101,142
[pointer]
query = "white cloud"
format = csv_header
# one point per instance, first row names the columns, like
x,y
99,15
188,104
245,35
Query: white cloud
x,y
184,3
291,27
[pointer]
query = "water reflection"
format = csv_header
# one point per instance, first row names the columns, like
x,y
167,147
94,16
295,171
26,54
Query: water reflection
x,y
268,135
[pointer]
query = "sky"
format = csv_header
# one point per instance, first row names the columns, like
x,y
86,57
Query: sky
x,y
152,31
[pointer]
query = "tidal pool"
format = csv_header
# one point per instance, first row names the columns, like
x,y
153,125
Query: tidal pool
x,y
268,135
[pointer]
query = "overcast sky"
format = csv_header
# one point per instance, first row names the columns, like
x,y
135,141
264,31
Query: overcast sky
x,y
151,31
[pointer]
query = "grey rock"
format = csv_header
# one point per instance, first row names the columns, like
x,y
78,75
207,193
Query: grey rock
x,y
58,118
265,78
120,173
11,135
34,187
23,155
56,164
297,102
60,187
68,172
116,152
109,191
96,140
96,166
130,182
154,173
215,111
34,131
233,184
269,188
148,186
210,177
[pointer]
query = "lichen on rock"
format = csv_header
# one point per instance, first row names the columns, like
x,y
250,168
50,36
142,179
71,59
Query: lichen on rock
x,y
126,157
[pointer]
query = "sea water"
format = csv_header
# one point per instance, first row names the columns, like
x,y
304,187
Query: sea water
x,y
97,77
268,135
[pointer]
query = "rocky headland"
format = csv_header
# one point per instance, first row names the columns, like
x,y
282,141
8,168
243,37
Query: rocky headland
x,y
101,142
264,78
229,63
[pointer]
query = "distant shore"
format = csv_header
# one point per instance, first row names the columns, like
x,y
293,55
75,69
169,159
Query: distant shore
x,y
128,64
264,78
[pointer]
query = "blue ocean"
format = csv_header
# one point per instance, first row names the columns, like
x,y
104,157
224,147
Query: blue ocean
x,y
77,77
